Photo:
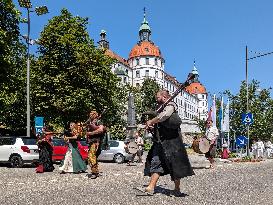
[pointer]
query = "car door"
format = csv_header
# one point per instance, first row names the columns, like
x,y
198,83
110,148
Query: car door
x,y
109,153
59,149
6,148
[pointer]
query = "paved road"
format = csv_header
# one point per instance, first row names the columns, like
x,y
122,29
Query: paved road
x,y
235,183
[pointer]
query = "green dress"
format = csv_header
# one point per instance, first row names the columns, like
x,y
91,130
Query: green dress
x,y
73,162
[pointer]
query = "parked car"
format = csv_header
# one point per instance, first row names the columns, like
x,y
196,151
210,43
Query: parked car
x,y
114,152
60,148
18,150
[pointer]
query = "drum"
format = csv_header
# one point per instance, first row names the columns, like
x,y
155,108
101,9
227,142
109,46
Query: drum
x,y
132,147
204,145
201,145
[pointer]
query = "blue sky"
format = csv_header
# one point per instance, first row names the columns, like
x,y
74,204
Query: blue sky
x,y
213,32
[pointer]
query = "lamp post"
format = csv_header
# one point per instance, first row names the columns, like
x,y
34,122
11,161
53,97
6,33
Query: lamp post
x,y
246,72
39,11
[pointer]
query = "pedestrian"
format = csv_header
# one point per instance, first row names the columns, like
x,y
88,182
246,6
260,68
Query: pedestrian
x,y
260,149
45,147
140,144
94,136
225,151
167,154
73,162
268,146
254,149
212,135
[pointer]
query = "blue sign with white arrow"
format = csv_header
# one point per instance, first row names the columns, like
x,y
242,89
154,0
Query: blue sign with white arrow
x,y
247,118
241,141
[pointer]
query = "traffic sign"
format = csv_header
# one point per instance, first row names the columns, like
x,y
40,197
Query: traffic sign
x,y
38,130
247,118
241,141
39,121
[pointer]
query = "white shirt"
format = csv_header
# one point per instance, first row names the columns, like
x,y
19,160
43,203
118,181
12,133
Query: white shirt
x,y
139,141
212,133
260,145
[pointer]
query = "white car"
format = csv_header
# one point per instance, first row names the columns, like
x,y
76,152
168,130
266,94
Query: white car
x,y
18,150
115,152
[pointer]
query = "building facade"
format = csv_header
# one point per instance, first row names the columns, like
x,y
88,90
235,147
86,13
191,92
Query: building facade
x,y
146,61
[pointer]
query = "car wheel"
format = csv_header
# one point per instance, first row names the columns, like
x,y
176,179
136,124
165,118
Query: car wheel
x,y
16,161
119,158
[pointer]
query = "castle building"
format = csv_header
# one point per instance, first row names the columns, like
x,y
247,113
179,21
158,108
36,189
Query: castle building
x,y
146,61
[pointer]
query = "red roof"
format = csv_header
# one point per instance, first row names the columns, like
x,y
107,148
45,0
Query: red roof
x,y
145,48
116,56
196,88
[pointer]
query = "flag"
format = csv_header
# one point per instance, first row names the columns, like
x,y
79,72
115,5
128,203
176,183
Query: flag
x,y
209,114
226,118
213,111
221,115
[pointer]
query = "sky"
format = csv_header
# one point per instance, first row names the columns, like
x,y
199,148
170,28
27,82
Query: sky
x,y
214,33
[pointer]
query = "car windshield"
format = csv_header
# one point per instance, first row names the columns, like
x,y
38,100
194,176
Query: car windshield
x,y
58,142
113,144
29,141
83,143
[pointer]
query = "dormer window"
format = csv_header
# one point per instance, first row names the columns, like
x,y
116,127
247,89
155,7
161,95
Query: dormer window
x,y
137,61
147,61
147,50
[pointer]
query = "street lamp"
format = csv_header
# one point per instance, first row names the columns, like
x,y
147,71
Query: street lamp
x,y
39,11
247,107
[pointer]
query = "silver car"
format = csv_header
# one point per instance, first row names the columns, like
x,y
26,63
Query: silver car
x,y
114,152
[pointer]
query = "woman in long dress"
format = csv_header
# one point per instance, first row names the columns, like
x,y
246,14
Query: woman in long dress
x,y
45,152
73,162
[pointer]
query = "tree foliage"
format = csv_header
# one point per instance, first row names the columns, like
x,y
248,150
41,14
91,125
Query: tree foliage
x,y
145,96
12,69
71,75
260,104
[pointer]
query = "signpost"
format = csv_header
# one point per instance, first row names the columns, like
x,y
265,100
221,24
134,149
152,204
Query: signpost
x,y
247,119
241,141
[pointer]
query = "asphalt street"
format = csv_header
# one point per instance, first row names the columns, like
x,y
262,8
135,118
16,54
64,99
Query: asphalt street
x,y
229,183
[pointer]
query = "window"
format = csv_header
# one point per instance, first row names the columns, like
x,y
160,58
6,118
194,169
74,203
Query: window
x,y
126,71
6,141
147,73
58,142
156,74
137,74
137,84
137,61
147,61
29,141
124,79
113,144
147,50
155,61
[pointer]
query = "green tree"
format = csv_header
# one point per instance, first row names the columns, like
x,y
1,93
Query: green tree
x,y
71,75
12,69
260,104
146,95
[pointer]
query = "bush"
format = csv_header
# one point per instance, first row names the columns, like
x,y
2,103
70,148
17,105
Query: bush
x,y
232,155
147,146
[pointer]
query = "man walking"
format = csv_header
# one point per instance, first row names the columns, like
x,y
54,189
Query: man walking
x,y
167,154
